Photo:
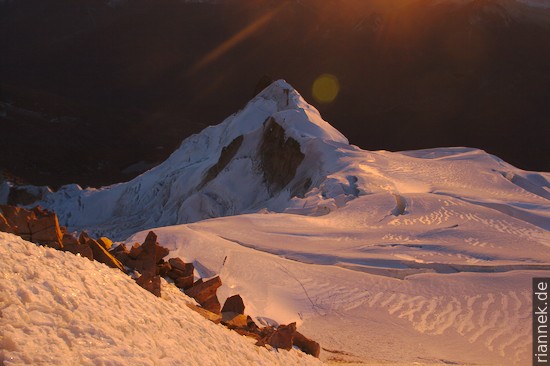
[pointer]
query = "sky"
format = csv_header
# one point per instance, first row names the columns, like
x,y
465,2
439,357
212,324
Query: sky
x,y
406,75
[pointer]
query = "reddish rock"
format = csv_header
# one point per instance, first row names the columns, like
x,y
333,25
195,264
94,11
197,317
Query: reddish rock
x,y
198,282
4,226
282,337
205,294
120,252
44,228
121,248
234,304
184,282
147,256
164,268
175,273
246,332
187,268
215,318
18,219
102,255
83,249
212,304
203,291
83,237
68,239
252,326
234,320
307,345
150,283
135,251
105,242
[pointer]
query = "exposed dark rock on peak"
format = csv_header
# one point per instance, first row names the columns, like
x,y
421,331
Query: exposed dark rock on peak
x,y
228,152
280,156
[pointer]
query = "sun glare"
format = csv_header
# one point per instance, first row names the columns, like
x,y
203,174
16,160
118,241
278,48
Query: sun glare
x,y
325,88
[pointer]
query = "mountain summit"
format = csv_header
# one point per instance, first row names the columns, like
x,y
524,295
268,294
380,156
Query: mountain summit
x,y
278,155
274,150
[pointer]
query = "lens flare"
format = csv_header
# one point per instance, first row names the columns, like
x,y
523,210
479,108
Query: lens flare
x,y
325,88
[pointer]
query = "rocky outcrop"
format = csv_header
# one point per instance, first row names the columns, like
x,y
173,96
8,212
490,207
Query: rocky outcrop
x,y
307,345
105,242
234,304
282,337
36,225
44,228
101,254
150,282
84,250
146,260
280,156
227,153
4,226
205,294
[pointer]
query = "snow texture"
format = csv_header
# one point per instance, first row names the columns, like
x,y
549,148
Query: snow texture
x,y
61,309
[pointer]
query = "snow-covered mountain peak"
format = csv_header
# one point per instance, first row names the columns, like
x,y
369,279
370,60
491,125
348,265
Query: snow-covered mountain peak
x,y
275,149
278,155
286,106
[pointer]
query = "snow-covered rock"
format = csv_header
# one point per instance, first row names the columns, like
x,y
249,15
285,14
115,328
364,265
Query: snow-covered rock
x,y
59,309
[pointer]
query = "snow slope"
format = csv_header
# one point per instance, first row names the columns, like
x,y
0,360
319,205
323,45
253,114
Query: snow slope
x,y
60,309
448,282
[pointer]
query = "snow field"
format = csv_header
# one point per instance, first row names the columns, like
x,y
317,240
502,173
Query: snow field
x,y
60,309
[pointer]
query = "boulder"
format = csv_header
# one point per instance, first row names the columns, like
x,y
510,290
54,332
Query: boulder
x,y
105,242
135,251
234,304
187,268
148,255
215,318
101,254
282,337
234,320
18,219
44,228
212,304
121,253
203,291
76,248
307,345
83,237
205,294
164,268
184,282
150,283
4,226
68,239
246,332
175,273
198,282
121,248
